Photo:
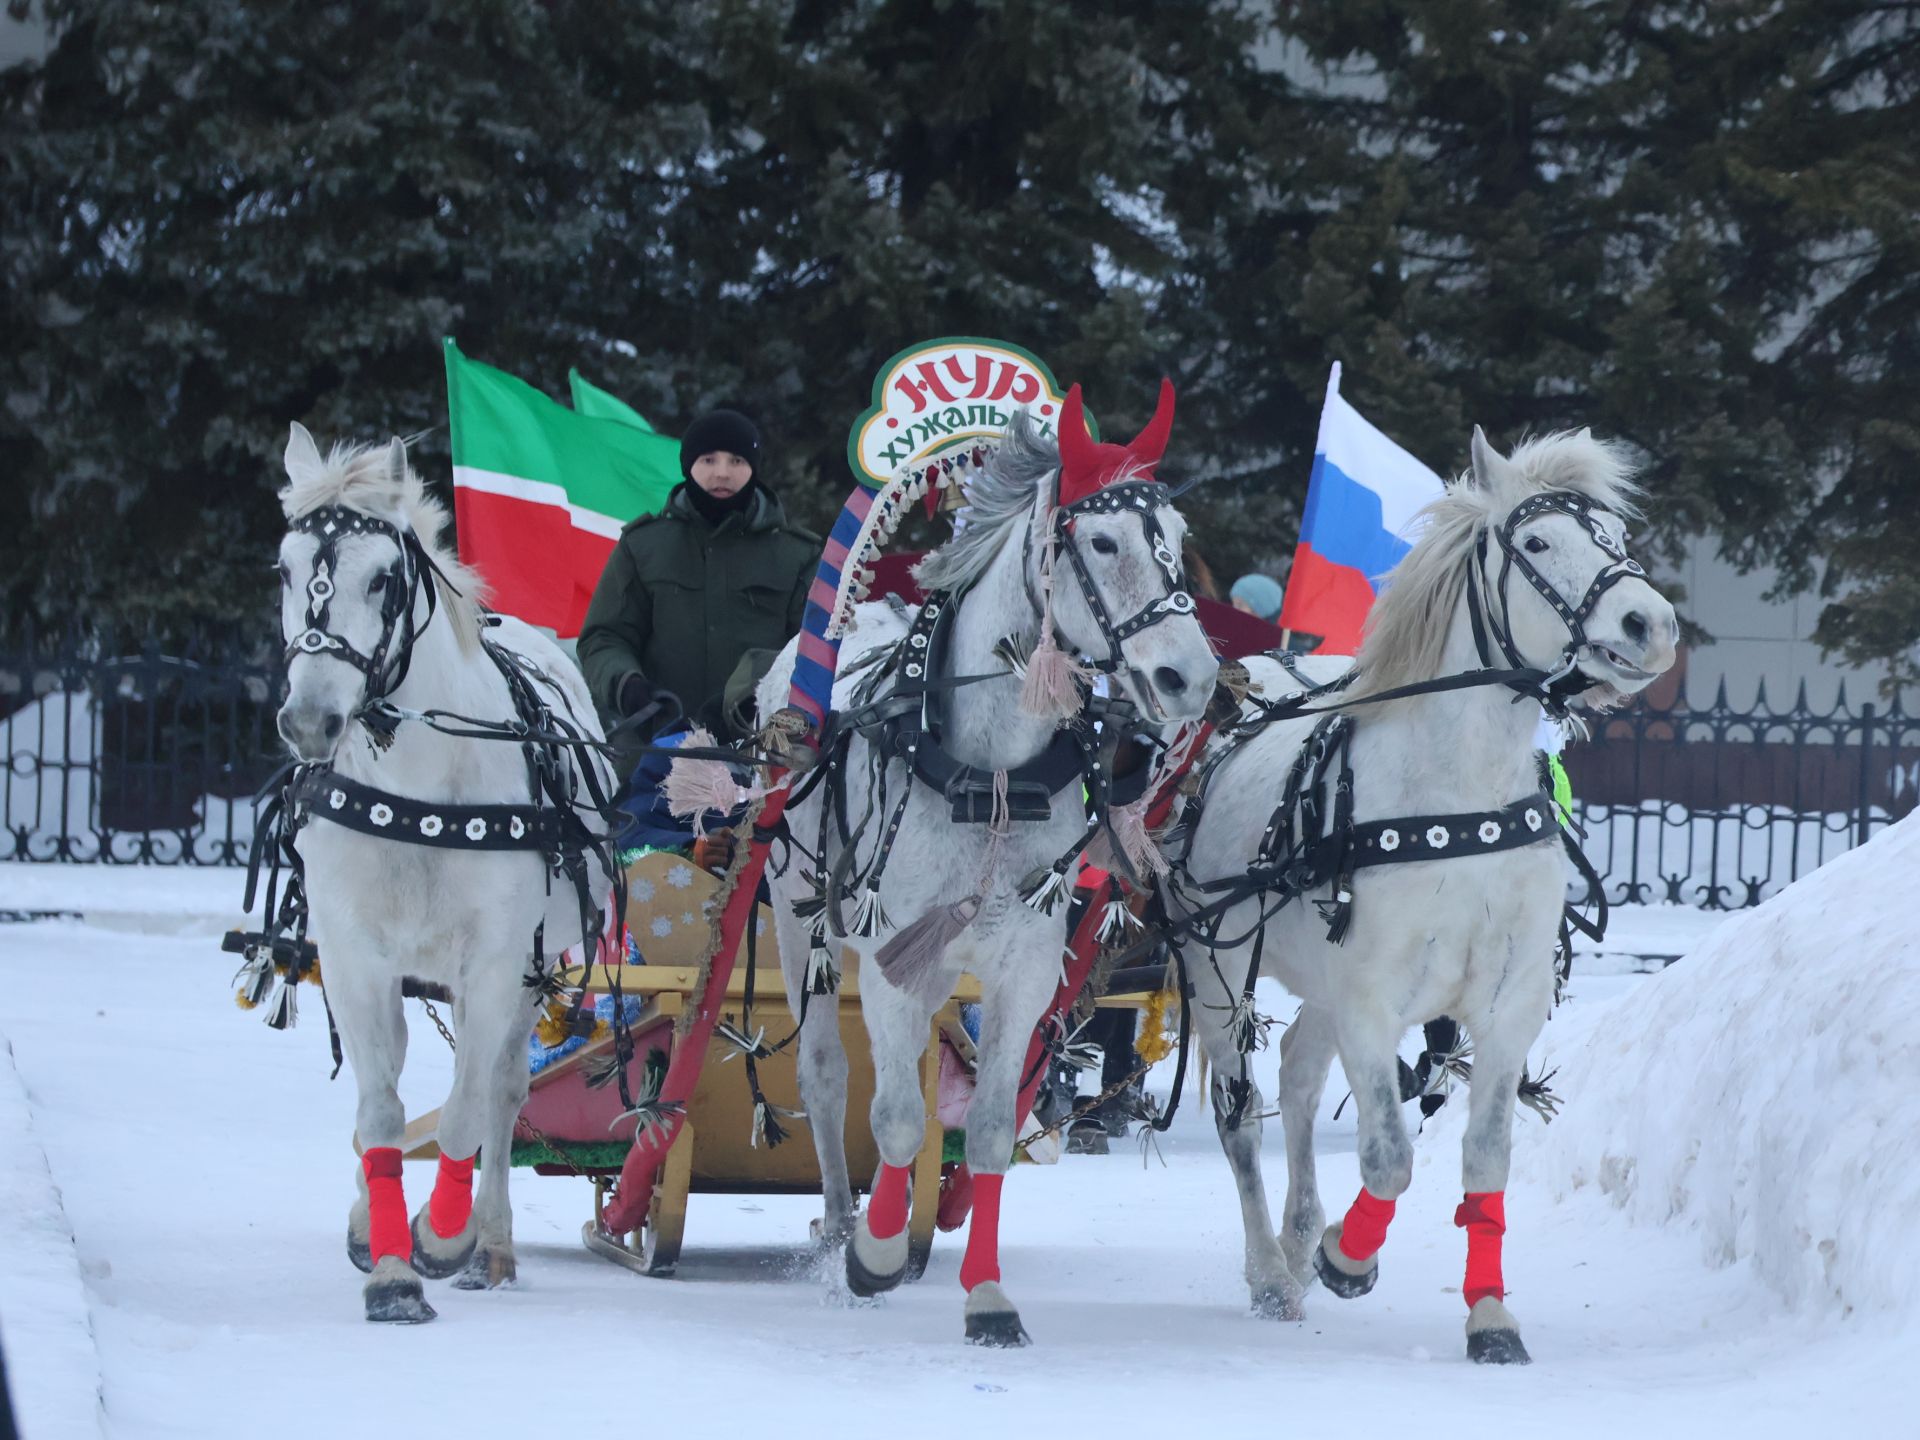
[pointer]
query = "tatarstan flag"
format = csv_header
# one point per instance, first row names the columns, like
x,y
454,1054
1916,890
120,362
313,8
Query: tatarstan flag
x,y
541,492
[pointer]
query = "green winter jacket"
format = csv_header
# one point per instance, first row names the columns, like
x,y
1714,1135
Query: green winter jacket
x,y
681,602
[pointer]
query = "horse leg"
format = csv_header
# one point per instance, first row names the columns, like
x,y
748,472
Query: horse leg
x,y
500,1085
373,1034
443,1232
1012,1003
1347,1259
1306,1055
897,1027
821,1068
1237,1106
1493,1335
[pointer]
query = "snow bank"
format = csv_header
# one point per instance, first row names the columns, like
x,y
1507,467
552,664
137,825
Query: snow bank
x,y
44,1321
1764,1094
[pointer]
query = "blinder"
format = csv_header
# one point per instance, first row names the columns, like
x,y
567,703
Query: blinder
x,y
386,666
1130,497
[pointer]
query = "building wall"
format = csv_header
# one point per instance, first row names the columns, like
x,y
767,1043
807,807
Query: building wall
x,y
1757,640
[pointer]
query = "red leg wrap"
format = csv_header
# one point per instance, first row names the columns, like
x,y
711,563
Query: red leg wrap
x,y
452,1200
387,1230
982,1260
887,1206
1484,1218
1364,1230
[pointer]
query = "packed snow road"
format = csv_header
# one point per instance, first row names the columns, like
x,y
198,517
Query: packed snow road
x,y
176,1179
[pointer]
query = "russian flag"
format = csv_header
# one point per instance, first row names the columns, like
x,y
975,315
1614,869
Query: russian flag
x,y
1362,498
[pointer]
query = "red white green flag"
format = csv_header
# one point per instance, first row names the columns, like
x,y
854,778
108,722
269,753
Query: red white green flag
x,y
541,492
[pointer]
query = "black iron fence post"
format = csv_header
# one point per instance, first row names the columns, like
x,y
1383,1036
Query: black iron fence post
x,y
1864,817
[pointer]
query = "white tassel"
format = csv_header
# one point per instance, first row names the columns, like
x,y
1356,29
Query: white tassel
x,y
285,1009
823,977
1043,890
869,916
1116,920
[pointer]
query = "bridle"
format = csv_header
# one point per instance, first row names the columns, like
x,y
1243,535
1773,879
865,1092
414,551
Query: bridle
x,y
386,667
1564,682
1131,497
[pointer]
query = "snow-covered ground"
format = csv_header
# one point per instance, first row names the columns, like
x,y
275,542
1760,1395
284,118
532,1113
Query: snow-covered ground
x,y
175,1179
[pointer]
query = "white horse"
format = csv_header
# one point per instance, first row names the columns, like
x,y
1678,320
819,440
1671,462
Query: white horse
x,y
374,607
1458,933
966,880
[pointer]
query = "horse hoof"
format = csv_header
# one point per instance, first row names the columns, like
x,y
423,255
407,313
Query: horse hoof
x,y
1331,1266
488,1270
435,1258
1274,1302
359,1252
1493,1335
875,1266
394,1296
992,1320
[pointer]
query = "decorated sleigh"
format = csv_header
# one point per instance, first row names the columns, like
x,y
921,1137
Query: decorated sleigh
x,y
570,1124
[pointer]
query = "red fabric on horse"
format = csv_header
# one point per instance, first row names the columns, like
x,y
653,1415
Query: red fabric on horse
x,y
1483,1216
1365,1229
982,1261
887,1209
387,1230
452,1201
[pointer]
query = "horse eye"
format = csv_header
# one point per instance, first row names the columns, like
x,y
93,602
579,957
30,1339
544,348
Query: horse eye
x,y
1536,546
286,578
1103,545
377,584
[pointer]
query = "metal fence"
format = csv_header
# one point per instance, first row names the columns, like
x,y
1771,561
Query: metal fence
x,y
1720,808
134,755
131,755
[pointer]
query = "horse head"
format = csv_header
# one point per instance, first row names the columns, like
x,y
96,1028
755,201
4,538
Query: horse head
x,y
1557,517
1126,605
357,585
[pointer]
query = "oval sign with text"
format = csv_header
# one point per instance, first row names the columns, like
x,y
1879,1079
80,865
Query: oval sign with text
x,y
942,396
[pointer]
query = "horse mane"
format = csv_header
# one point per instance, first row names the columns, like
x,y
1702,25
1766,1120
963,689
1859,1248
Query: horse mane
x,y
1000,498
358,477
1406,630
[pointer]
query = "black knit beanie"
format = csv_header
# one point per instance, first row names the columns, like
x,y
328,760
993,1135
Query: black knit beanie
x,y
727,430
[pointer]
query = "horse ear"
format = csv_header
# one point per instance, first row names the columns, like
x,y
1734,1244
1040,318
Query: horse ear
x,y
1487,462
1151,443
302,456
397,461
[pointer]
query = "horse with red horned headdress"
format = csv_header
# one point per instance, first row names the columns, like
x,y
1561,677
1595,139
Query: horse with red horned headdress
x,y
968,765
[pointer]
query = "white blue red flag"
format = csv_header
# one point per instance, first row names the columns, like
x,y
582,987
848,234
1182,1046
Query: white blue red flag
x,y
1362,499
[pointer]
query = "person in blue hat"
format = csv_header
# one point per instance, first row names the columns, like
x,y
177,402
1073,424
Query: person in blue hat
x,y
1259,596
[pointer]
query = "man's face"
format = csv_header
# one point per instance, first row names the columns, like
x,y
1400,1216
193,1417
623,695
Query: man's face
x,y
722,474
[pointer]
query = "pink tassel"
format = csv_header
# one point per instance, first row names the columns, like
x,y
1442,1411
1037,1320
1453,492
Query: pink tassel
x,y
1054,680
1129,824
695,787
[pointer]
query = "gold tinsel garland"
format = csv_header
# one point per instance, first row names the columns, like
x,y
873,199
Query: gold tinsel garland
x,y
1155,1042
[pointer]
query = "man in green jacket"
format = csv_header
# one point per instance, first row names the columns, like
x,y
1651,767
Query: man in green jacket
x,y
688,593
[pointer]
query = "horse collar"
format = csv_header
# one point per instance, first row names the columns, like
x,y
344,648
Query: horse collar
x,y
914,734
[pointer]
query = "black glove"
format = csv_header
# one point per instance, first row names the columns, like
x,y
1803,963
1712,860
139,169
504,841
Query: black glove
x,y
636,691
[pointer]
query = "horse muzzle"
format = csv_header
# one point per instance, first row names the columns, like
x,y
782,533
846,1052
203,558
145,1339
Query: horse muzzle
x,y
311,731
